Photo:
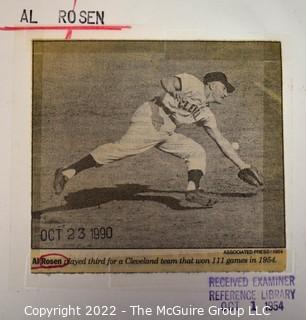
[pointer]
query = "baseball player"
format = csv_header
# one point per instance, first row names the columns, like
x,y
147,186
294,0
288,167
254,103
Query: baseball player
x,y
185,100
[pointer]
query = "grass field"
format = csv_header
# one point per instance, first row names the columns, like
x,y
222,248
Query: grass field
x,y
84,94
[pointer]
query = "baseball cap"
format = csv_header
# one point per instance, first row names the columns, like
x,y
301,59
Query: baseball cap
x,y
218,76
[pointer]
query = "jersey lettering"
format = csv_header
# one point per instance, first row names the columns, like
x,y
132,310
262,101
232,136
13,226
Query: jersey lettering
x,y
196,113
190,107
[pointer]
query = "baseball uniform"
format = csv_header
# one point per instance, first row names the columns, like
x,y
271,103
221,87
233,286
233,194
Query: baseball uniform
x,y
154,123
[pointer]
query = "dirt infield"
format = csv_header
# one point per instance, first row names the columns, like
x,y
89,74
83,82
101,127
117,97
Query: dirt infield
x,y
84,93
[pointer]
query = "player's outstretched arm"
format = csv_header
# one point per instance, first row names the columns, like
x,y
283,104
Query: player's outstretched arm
x,y
226,147
246,173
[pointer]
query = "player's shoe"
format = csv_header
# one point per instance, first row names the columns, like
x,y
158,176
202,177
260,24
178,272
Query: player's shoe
x,y
200,197
60,181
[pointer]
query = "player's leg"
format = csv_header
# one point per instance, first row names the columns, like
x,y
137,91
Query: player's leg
x,y
193,154
195,159
62,175
140,136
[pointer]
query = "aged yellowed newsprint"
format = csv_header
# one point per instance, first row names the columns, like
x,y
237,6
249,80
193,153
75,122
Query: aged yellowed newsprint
x,y
113,150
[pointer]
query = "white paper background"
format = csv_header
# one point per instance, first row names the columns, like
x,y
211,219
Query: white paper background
x,y
216,20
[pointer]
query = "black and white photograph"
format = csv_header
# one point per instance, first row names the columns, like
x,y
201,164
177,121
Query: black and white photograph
x,y
157,145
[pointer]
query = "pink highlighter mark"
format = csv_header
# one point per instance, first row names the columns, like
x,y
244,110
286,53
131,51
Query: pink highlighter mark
x,y
69,27
69,32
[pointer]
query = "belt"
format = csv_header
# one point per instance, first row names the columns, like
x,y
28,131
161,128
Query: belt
x,y
158,101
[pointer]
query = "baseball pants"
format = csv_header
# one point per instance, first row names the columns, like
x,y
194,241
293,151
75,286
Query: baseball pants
x,y
151,127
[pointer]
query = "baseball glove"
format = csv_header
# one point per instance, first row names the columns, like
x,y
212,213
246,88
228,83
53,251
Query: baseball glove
x,y
251,176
